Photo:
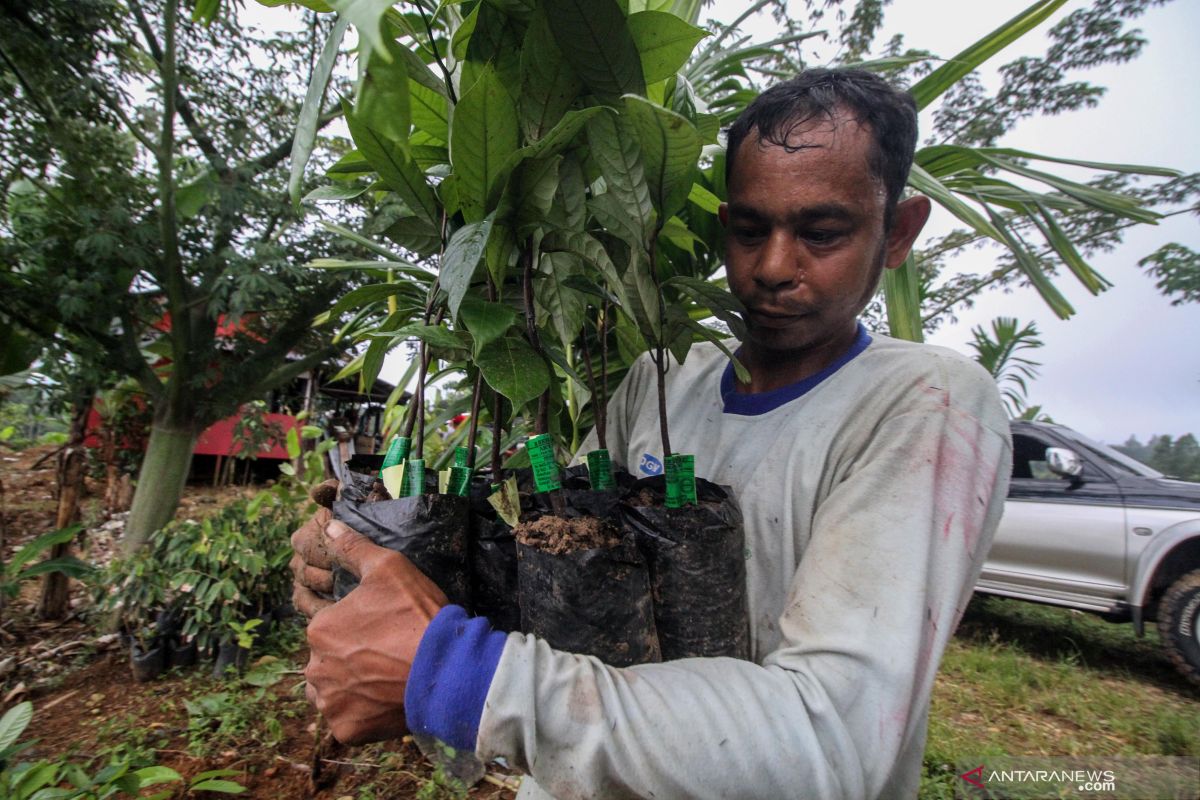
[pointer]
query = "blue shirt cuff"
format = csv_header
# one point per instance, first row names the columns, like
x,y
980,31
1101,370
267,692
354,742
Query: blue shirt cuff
x,y
450,677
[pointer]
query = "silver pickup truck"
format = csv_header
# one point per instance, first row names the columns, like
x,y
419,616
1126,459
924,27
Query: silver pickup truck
x,y
1088,527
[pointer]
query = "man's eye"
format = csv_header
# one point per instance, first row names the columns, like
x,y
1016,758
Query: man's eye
x,y
821,237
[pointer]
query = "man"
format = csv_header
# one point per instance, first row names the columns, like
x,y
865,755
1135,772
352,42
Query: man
x,y
871,475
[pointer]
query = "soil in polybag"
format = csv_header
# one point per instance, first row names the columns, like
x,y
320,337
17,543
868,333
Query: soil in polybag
x,y
429,529
493,562
584,585
697,568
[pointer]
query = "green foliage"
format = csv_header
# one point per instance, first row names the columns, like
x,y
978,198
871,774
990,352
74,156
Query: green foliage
x,y
20,567
217,575
121,230
1178,458
1177,270
42,780
999,353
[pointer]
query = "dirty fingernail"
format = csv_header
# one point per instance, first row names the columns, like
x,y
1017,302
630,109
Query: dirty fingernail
x,y
335,529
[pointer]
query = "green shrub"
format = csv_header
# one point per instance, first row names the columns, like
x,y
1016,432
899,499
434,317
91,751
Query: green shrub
x,y
212,576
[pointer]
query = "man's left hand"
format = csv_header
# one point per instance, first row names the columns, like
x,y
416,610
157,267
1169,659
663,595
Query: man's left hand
x,y
363,646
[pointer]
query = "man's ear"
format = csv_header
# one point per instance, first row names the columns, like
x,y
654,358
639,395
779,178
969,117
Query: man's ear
x,y
911,215
723,214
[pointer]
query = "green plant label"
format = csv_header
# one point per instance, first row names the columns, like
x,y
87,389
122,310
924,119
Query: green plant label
x,y
462,457
460,481
600,470
414,477
681,480
541,459
396,453
443,481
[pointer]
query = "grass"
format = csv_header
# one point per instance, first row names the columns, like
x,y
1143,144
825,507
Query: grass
x,y
1024,679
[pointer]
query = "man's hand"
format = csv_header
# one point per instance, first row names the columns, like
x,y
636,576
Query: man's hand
x,y
363,646
311,568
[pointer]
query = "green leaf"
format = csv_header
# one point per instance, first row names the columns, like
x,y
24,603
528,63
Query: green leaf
x,y
1033,270
152,776
31,550
420,72
548,83
366,16
486,321
383,102
293,443
364,296
305,137
205,11
670,149
587,248
535,183
565,306
219,786
721,303
336,191
647,306
416,235
704,199
405,267
483,134
902,296
1093,281
430,111
927,184
595,40
67,565
933,85
463,252
435,335
512,368
397,168
13,724
630,211
191,198
563,134
718,338
664,41
287,469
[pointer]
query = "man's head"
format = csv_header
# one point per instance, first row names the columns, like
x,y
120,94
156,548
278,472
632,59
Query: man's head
x,y
815,170
816,94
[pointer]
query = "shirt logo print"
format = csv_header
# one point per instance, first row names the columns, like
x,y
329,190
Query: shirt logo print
x,y
650,465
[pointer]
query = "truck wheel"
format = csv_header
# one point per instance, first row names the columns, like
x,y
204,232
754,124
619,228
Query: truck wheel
x,y
1179,624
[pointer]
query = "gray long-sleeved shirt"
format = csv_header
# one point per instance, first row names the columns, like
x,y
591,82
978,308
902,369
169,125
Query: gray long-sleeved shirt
x,y
870,495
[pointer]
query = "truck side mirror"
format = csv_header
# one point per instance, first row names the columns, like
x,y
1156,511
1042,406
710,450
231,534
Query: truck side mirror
x,y
1064,462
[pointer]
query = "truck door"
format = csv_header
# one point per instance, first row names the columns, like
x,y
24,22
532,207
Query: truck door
x,y
1059,537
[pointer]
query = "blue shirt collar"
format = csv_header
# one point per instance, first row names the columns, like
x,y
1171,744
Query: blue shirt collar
x,y
753,404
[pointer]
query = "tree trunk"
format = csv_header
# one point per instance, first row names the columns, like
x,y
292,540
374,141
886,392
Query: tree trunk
x,y
160,482
55,596
72,463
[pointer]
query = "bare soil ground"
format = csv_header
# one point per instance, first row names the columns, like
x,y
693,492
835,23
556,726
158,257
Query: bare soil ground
x,y
87,708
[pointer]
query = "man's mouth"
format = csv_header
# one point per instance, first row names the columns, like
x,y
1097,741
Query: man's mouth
x,y
771,318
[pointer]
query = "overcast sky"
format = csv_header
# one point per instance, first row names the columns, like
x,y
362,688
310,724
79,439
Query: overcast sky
x,y
1128,362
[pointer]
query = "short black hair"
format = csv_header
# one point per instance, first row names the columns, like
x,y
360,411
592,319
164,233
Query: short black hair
x,y
890,113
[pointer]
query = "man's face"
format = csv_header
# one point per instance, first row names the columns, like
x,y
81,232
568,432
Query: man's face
x,y
806,240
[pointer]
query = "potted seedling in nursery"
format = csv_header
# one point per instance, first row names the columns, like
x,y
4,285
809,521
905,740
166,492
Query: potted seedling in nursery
x,y
690,529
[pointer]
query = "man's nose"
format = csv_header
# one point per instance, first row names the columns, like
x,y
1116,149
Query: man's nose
x,y
779,262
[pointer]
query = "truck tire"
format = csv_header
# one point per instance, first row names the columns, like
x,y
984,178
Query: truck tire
x,y
1179,624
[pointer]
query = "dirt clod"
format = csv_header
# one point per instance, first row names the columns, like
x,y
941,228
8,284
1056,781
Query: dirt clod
x,y
558,535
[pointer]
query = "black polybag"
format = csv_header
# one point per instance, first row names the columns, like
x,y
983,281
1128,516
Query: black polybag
x,y
696,557
493,563
595,601
429,529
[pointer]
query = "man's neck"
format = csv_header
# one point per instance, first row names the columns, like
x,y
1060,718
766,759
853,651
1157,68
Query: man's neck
x,y
774,369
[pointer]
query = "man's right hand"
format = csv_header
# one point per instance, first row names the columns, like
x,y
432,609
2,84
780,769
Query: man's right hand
x,y
311,564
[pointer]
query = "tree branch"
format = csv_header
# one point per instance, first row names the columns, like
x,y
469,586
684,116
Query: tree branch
x,y
217,161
